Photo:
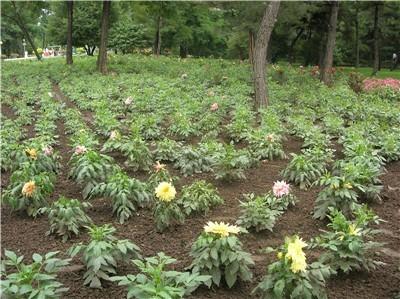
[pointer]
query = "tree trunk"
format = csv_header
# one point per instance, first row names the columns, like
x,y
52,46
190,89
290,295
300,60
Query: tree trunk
x,y
157,41
22,26
326,74
183,51
70,7
92,51
251,47
292,44
260,53
357,39
105,20
376,39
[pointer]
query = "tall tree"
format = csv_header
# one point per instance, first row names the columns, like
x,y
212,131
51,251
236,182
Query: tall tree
x,y
260,53
105,20
18,13
326,74
70,9
376,39
357,35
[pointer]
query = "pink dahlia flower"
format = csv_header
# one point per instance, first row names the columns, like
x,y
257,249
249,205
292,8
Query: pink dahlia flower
x,y
214,107
48,150
80,149
280,188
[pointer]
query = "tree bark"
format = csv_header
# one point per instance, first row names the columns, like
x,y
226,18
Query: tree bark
x,y
70,8
157,41
292,44
376,39
251,47
326,74
20,23
260,53
183,51
357,37
105,20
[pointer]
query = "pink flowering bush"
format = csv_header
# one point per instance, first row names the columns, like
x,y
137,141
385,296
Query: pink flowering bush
x,y
80,149
48,150
281,188
214,107
373,83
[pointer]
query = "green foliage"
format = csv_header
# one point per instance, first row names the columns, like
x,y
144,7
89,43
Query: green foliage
x,y
230,164
41,162
281,282
34,281
154,281
127,194
265,146
303,170
240,125
199,197
259,212
182,126
28,191
192,160
90,169
67,216
126,36
102,253
134,149
166,214
348,244
221,257
159,175
166,150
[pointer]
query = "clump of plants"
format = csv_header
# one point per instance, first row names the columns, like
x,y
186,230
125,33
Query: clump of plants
x,y
303,170
167,150
28,190
192,160
35,280
291,277
155,281
67,216
90,168
167,210
102,253
159,174
265,146
218,252
348,244
134,148
127,194
262,212
45,160
199,197
230,164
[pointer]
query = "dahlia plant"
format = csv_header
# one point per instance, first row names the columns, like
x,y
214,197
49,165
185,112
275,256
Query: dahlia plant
x,y
40,160
166,210
230,164
348,243
303,170
199,197
218,252
262,212
127,194
192,160
101,254
265,146
167,150
67,216
154,281
90,168
159,174
31,281
182,126
27,190
291,276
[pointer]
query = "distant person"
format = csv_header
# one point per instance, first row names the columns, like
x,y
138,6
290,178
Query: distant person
x,y
395,60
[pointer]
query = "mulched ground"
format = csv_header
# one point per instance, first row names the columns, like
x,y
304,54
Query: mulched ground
x,y
27,236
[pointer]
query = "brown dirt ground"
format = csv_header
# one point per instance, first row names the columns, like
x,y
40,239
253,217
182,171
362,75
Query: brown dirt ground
x,y
27,236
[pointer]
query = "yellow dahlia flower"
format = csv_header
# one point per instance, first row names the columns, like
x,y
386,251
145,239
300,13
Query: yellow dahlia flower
x,y
280,255
28,189
353,230
165,191
222,229
32,153
296,254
